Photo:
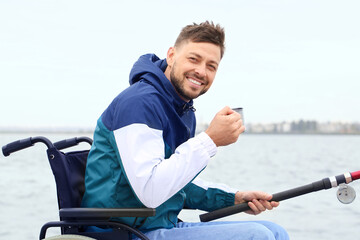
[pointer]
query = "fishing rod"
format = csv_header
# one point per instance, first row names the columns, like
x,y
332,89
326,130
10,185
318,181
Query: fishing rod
x,y
345,194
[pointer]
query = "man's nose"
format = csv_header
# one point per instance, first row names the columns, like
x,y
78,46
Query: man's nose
x,y
201,70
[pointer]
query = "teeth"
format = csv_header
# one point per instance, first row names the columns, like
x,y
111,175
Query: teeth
x,y
195,82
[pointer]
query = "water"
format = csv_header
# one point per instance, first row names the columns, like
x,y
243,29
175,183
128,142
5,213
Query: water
x,y
270,163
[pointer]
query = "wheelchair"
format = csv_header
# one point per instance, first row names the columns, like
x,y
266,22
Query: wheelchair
x,y
69,173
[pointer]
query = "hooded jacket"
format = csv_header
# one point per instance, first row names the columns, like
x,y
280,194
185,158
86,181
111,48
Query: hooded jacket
x,y
145,153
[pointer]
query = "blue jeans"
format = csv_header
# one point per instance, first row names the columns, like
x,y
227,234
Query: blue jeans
x,y
253,230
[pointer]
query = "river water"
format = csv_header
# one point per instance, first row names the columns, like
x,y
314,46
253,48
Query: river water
x,y
270,163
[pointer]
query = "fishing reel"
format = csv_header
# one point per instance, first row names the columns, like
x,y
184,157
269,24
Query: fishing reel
x,y
345,194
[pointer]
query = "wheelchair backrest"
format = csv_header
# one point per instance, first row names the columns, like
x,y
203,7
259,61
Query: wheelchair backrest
x,y
69,172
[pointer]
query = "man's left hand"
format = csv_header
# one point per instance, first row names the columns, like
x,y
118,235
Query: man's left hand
x,y
258,201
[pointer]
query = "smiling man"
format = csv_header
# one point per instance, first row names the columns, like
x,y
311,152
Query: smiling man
x,y
145,152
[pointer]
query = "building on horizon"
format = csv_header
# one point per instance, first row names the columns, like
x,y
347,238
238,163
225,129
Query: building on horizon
x,y
304,127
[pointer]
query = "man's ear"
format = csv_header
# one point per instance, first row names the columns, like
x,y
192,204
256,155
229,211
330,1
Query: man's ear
x,y
170,56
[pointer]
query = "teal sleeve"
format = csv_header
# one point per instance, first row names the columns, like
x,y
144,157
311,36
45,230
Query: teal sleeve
x,y
207,199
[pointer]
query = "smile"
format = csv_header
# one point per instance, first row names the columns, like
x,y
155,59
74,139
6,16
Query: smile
x,y
194,81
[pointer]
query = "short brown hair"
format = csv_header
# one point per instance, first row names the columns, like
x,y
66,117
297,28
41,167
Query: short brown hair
x,y
203,32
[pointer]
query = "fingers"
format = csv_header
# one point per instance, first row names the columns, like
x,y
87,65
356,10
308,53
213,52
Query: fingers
x,y
258,206
274,204
237,118
226,111
250,195
241,129
261,202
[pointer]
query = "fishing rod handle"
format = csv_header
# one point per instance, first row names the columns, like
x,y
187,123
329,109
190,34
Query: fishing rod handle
x,y
227,211
312,187
223,212
305,189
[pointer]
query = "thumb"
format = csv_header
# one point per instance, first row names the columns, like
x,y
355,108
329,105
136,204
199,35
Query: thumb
x,y
259,195
264,196
225,111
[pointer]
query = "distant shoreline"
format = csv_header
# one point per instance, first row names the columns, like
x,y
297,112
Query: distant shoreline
x,y
46,131
300,127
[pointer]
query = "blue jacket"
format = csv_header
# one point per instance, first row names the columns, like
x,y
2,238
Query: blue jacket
x,y
145,153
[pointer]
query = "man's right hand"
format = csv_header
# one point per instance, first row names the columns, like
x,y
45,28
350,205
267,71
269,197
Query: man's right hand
x,y
225,127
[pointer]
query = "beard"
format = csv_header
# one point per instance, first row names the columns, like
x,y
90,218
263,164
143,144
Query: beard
x,y
179,82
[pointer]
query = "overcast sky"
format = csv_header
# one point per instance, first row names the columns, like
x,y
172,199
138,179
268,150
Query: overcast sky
x,y
62,62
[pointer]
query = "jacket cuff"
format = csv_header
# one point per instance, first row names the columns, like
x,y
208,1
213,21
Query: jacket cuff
x,y
230,199
208,143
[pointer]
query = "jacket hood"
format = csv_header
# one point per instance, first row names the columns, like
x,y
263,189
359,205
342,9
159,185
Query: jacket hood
x,y
151,69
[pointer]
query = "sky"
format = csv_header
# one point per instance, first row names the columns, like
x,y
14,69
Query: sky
x,y
62,62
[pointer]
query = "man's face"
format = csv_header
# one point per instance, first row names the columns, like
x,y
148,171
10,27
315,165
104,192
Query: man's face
x,y
192,68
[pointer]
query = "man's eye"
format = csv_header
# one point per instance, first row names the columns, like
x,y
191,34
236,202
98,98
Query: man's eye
x,y
212,67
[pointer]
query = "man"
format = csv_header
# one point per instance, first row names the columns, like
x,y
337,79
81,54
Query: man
x,y
145,152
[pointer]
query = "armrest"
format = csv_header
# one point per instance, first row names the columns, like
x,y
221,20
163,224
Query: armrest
x,y
106,212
